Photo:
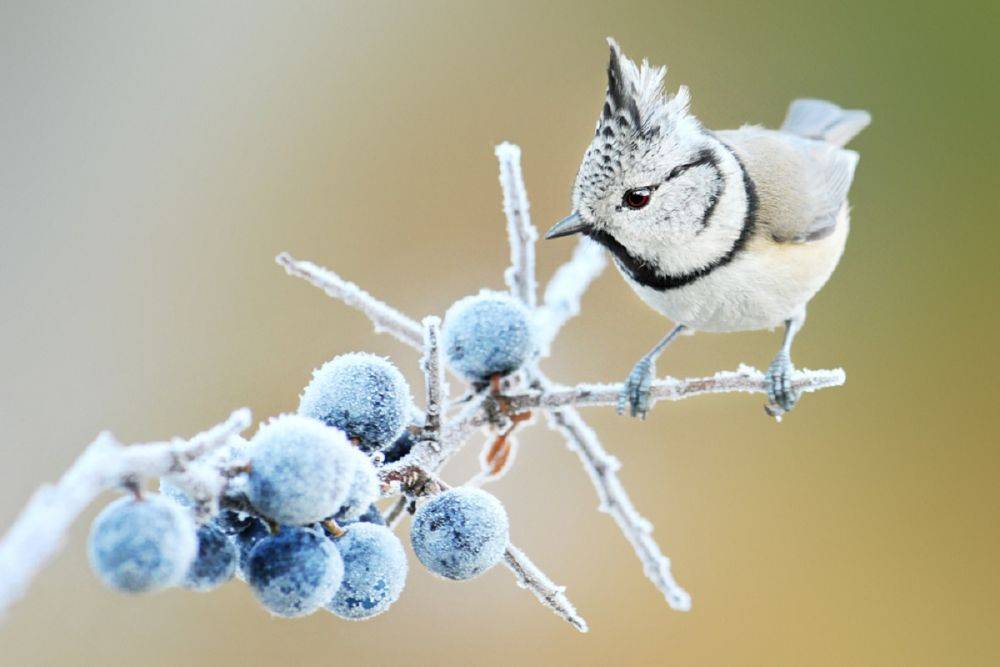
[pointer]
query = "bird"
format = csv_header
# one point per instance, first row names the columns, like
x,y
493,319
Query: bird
x,y
720,231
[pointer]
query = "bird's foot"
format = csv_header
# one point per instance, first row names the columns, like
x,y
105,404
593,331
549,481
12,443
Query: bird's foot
x,y
635,393
781,396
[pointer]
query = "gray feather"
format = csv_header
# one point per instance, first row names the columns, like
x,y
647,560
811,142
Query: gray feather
x,y
802,184
831,175
824,121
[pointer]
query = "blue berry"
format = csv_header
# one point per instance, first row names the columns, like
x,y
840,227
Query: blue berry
x,y
363,395
400,448
295,572
216,560
460,533
487,334
138,546
300,470
363,491
246,539
374,571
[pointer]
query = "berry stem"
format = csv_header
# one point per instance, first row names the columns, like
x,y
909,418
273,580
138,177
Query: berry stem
x,y
333,528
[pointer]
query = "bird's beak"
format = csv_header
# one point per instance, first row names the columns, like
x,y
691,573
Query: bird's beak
x,y
571,224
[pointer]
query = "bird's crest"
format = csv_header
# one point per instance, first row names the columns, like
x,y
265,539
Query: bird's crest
x,y
635,103
637,120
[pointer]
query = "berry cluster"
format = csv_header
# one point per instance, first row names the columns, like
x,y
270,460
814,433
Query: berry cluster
x,y
302,528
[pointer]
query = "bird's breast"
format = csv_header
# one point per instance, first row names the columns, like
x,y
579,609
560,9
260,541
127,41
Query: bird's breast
x,y
762,287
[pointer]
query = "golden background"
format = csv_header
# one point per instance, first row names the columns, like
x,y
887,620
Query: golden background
x,y
154,157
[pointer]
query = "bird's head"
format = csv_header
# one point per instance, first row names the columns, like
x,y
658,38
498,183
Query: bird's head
x,y
651,175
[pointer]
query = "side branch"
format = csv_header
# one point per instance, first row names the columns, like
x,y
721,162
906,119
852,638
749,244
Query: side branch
x,y
520,277
565,290
548,593
455,434
385,318
602,469
38,533
436,388
745,379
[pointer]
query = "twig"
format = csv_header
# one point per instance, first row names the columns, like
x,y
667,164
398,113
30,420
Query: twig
x,y
565,290
564,299
38,532
520,277
454,435
548,593
602,469
436,387
395,512
384,317
745,379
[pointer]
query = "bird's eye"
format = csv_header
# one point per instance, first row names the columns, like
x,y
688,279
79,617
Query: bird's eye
x,y
637,198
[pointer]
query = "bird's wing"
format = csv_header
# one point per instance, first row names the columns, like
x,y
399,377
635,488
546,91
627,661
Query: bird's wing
x,y
824,121
828,172
801,184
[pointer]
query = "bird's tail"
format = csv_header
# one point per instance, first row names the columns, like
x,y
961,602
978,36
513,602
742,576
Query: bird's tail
x,y
824,121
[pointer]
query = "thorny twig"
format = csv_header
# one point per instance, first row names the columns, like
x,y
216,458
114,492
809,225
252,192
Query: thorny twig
x,y
384,318
614,500
520,277
436,388
395,513
548,593
745,379
565,290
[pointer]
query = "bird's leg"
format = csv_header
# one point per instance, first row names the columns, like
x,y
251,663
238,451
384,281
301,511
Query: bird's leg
x,y
635,393
781,397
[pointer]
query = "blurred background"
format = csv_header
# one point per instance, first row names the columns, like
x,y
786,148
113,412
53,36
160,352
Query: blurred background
x,y
154,157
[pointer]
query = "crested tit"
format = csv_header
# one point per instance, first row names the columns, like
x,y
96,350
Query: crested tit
x,y
734,230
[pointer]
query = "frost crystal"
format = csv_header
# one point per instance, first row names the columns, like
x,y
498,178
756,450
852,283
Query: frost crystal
x,y
487,334
374,572
300,471
364,396
460,533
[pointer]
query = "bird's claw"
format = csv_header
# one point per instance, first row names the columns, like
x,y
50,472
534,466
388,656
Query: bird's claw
x,y
781,396
635,393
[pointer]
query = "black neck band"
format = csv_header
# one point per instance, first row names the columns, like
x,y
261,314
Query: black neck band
x,y
641,272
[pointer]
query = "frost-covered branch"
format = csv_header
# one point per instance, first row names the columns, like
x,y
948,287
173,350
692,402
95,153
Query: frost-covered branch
x,y
520,277
565,290
436,388
614,500
548,593
385,318
745,380
562,302
455,434
39,531
396,513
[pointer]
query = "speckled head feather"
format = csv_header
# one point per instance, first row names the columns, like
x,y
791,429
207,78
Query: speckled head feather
x,y
636,118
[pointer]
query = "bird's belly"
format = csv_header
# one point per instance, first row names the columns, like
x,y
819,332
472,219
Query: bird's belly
x,y
760,289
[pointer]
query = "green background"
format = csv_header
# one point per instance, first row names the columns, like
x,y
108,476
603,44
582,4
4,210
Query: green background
x,y
154,157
